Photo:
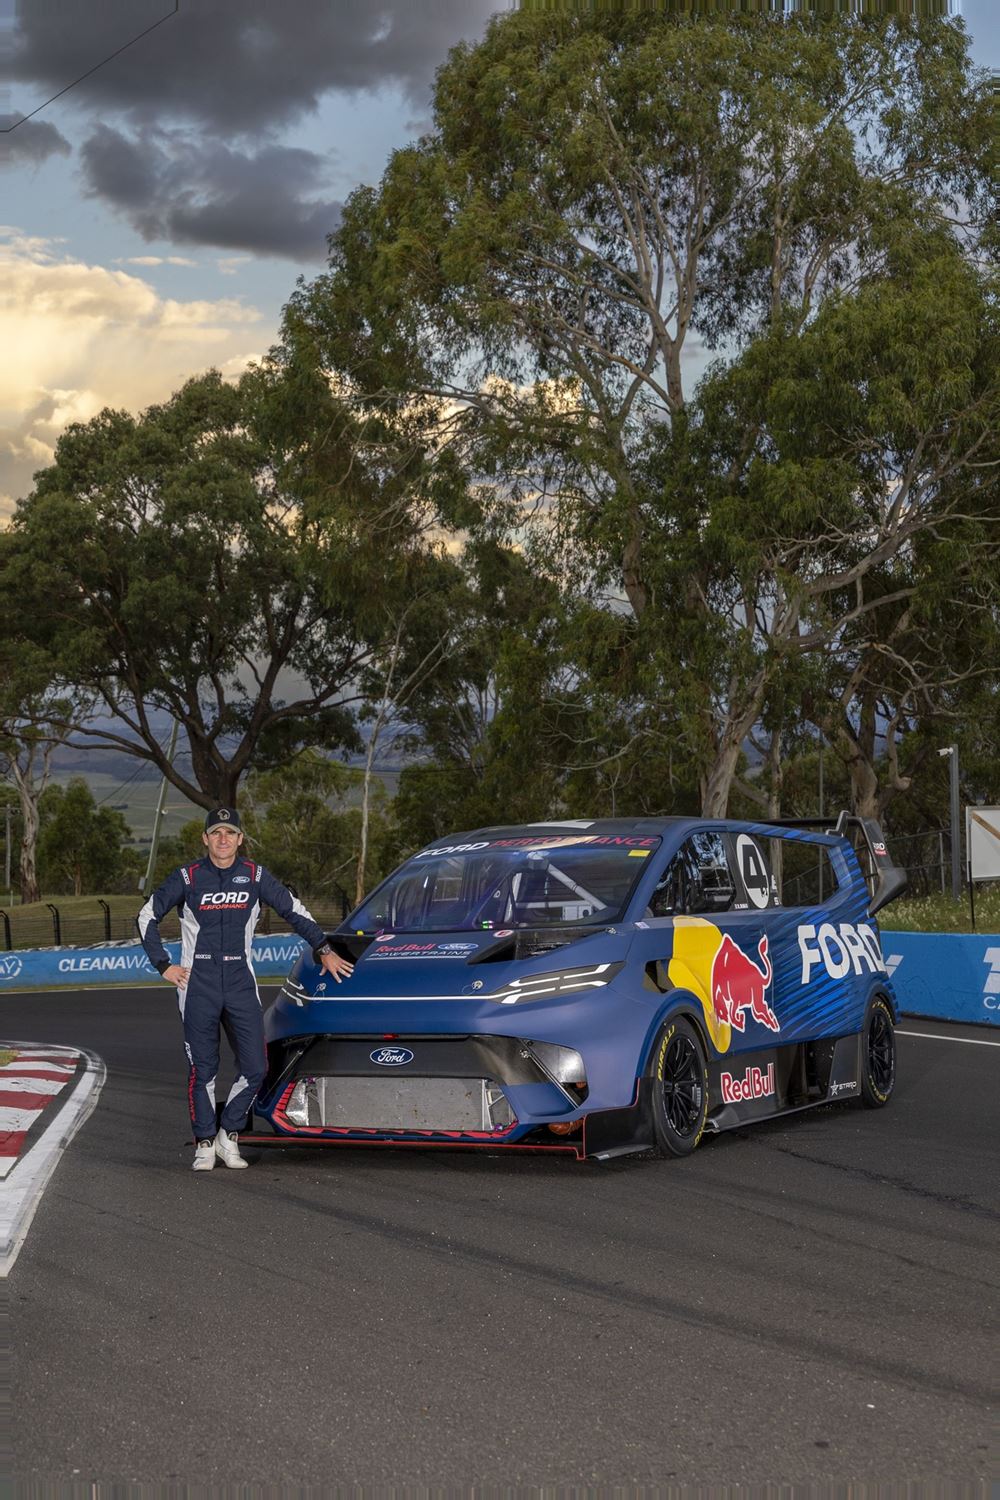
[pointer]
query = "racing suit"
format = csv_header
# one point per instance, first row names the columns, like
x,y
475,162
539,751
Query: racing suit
x,y
218,912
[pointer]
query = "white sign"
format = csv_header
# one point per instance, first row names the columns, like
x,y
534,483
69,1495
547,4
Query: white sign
x,y
982,833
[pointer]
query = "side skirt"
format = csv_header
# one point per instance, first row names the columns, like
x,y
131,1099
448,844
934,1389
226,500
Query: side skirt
x,y
782,1080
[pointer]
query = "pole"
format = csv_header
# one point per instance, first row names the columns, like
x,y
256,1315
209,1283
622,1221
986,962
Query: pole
x,y
821,813
822,810
956,829
6,863
154,842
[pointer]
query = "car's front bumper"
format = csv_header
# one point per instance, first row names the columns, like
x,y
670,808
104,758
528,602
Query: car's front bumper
x,y
483,1091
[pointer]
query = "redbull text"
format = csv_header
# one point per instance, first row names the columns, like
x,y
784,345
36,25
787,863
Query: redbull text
x,y
755,1084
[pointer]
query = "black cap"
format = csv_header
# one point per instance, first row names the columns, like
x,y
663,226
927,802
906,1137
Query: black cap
x,y
223,817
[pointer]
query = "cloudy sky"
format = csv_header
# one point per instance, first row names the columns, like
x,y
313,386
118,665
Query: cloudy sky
x,y
153,218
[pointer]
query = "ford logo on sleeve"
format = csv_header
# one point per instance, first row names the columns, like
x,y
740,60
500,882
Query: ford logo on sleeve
x,y
391,1057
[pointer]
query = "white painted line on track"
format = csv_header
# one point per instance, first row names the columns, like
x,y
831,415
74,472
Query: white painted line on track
x,y
935,1036
22,1191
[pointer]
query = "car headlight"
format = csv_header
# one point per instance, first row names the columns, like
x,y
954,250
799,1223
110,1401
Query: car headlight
x,y
561,982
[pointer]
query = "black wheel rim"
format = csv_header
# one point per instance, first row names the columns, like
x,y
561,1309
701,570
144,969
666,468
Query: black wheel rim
x,y
683,1089
881,1051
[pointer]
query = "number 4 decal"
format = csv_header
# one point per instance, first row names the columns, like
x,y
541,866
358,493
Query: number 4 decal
x,y
753,870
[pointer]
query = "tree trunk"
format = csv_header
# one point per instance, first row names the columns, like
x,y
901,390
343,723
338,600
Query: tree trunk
x,y
28,795
29,846
359,884
717,784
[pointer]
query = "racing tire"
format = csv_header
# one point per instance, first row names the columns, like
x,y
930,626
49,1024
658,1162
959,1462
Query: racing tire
x,y
878,1055
680,1089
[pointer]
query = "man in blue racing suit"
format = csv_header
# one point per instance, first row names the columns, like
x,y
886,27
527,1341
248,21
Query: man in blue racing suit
x,y
219,900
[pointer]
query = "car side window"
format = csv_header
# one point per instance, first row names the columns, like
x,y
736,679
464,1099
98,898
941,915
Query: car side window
x,y
697,879
805,874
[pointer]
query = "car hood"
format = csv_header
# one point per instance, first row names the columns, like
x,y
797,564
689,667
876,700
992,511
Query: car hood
x,y
397,965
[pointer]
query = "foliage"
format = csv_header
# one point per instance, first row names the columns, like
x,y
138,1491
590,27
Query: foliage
x,y
180,848
809,200
849,506
82,847
199,560
300,823
35,719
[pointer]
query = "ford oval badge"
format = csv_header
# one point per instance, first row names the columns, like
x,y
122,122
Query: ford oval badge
x,y
391,1057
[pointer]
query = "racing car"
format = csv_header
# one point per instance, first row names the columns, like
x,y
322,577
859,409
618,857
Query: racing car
x,y
595,987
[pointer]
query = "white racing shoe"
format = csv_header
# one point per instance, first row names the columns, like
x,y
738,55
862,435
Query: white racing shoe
x,y
227,1149
204,1156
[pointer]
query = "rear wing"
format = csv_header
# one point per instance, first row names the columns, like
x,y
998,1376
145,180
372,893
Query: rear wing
x,y
884,879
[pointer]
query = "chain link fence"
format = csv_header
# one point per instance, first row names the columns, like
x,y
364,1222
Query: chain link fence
x,y
90,920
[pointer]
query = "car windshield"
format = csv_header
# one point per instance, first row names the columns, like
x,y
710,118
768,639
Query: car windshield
x,y
521,881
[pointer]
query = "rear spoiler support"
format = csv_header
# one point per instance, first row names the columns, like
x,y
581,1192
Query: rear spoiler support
x,y
884,879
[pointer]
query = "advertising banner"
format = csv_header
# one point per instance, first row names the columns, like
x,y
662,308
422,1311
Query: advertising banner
x,y
948,976
124,963
982,835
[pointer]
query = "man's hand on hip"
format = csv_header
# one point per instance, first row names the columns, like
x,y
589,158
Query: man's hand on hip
x,y
177,976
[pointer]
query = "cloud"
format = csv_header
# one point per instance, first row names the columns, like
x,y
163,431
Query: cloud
x,y
79,337
235,67
154,260
173,186
180,128
30,142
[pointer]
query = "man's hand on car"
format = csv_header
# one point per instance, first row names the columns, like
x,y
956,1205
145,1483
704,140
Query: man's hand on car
x,y
339,968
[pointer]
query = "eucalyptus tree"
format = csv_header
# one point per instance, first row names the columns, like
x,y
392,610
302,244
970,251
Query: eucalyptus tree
x,y
218,562
851,508
603,195
36,718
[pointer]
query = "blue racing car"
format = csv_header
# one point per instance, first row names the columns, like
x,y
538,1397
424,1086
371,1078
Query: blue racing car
x,y
595,987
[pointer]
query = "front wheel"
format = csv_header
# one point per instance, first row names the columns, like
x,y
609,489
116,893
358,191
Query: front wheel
x,y
680,1089
878,1055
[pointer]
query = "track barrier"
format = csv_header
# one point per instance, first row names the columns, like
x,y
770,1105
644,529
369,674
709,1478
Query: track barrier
x,y
946,976
124,963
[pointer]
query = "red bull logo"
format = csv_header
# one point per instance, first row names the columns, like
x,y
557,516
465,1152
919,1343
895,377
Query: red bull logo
x,y
756,1083
730,984
738,985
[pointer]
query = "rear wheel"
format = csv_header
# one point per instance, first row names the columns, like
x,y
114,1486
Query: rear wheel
x,y
878,1055
680,1089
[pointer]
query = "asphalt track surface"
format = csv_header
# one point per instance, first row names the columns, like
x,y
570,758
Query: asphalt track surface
x,y
807,1301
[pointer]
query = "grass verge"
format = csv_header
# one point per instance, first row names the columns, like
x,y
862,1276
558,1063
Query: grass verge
x,y
942,914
